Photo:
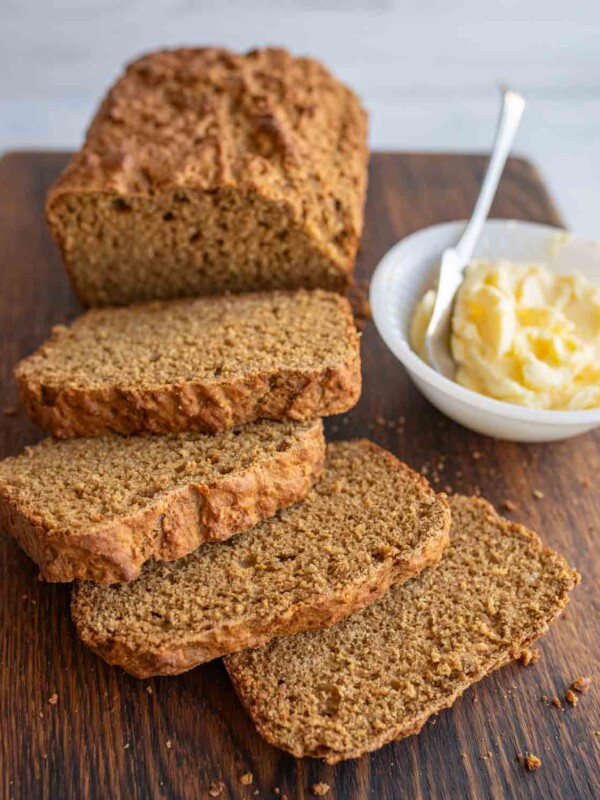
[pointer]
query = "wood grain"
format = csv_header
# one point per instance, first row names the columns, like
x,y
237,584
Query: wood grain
x,y
108,735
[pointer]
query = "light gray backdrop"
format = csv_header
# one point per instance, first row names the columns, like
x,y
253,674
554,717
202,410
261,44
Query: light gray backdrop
x,y
426,69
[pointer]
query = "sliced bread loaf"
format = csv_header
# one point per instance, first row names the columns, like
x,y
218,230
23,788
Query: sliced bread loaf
x,y
204,364
379,675
99,508
369,522
205,171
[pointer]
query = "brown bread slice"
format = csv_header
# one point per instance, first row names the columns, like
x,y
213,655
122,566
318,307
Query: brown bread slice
x,y
380,674
205,171
203,364
99,508
369,522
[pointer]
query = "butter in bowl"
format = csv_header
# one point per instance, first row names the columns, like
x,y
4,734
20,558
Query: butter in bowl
x,y
525,328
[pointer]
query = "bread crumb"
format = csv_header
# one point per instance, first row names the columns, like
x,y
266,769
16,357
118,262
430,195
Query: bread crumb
x,y
215,789
539,495
379,420
246,778
169,744
276,790
529,656
581,685
9,411
319,789
571,697
533,762
476,455
53,699
556,702
509,505
150,690
126,746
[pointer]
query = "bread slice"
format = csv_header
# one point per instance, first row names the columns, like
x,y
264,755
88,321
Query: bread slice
x,y
379,675
205,364
369,522
205,171
99,508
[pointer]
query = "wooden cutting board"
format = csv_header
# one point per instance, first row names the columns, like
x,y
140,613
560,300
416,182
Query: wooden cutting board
x,y
111,736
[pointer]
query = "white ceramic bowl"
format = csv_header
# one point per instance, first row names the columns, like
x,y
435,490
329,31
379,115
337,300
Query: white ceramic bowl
x,y
410,268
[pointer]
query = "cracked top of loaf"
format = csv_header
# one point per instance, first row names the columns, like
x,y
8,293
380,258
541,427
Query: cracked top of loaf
x,y
207,118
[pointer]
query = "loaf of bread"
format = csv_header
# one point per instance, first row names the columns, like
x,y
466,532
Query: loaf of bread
x,y
99,508
204,171
202,364
368,523
379,675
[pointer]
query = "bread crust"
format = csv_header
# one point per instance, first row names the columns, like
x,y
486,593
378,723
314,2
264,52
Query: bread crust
x,y
277,393
182,519
180,123
191,406
323,612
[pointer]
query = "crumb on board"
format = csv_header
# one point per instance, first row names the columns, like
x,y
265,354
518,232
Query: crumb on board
x,y
571,697
246,778
581,685
215,789
538,494
476,455
53,699
126,746
150,690
533,762
509,505
169,744
556,702
529,656
9,411
319,789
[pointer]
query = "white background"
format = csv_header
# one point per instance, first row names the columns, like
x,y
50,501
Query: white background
x,y
426,69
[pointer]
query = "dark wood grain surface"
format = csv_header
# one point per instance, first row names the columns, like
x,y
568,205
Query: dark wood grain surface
x,y
111,736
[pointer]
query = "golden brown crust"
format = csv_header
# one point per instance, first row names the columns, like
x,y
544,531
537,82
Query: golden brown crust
x,y
190,122
323,612
174,408
68,410
114,551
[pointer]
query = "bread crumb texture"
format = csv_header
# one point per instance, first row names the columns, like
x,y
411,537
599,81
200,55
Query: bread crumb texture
x,y
581,685
101,507
369,522
196,364
320,789
378,676
205,171
532,762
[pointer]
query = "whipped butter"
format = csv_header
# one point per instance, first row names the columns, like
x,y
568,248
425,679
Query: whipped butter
x,y
523,335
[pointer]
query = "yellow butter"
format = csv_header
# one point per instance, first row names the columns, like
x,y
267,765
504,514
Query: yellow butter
x,y
523,335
